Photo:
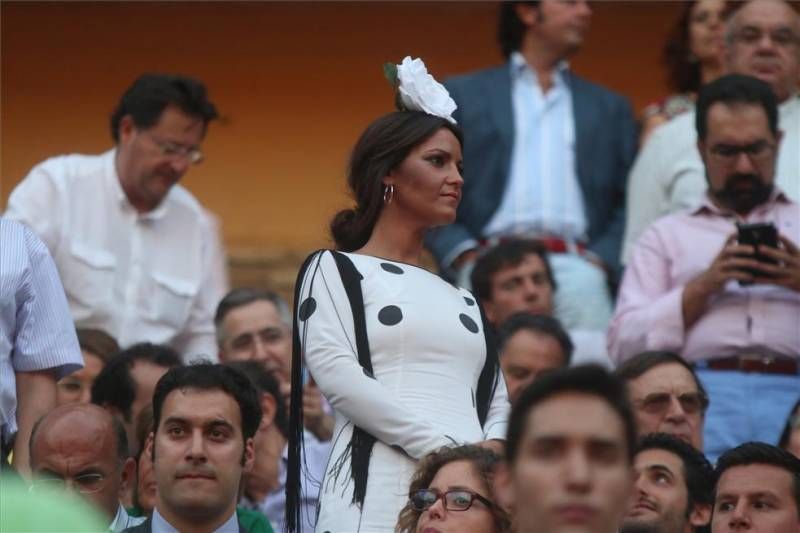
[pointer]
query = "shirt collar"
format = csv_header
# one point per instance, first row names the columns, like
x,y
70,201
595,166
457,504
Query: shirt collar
x,y
707,206
160,524
120,519
519,67
119,194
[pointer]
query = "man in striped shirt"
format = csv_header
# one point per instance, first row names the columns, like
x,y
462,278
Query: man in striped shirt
x,y
38,344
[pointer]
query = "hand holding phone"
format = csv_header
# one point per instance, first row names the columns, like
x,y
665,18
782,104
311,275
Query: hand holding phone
x,y
759,235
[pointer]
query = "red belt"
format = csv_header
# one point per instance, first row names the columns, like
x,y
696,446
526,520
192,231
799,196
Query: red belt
x,y
755,363
552,244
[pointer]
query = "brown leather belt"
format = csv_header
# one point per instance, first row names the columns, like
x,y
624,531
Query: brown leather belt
x,y
755,363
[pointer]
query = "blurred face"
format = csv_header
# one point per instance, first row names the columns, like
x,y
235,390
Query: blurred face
x,y
458,475
150,161
199,454
524,287
757,498
77,387
427,184
666,399
560,24
145,376
661,497
739,180
765,44
571,473
146,487
78,451
256,332
526,355
706,30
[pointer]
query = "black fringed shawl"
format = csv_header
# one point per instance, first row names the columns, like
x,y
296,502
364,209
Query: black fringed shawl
x,y
361,442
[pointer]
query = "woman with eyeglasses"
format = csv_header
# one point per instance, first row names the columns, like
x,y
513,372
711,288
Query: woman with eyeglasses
x,y
451,492
402,356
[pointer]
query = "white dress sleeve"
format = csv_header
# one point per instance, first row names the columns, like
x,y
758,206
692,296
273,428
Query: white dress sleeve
x,y
497,419
328,343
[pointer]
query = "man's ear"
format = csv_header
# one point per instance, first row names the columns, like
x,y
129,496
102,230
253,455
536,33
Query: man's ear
x,y
503,488
126,129
148,447
128,475
249,455
490,311
268,409
700,515
528,14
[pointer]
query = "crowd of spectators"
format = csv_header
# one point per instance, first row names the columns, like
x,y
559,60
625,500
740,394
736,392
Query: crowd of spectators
x,y
638,295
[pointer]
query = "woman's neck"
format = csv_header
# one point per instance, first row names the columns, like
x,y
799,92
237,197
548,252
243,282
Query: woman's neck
x,y
710,71
393,238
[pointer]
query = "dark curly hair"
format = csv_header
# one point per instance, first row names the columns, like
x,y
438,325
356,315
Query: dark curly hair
x,y
483,460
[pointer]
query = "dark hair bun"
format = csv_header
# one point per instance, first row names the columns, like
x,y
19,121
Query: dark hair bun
x,y
346,231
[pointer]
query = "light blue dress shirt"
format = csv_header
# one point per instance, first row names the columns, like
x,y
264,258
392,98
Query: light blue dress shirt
x,y
160,524
542,195
36,330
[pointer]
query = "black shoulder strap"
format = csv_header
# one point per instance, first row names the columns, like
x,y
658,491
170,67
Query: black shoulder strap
x,y
351,279
487,383
293,521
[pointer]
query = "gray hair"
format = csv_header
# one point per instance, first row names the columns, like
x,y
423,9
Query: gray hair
x,y
247,295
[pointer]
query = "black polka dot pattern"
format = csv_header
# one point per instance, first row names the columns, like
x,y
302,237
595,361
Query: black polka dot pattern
x,y
469,301
307,308
393,269
468,323
390,315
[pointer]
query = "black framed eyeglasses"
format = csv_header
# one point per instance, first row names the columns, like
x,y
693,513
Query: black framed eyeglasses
x,y
454,500
85,484
659,402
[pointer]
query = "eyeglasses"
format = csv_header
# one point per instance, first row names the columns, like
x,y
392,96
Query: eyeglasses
x,y
454,500
174,150
728,153
659,402
783,37
85,484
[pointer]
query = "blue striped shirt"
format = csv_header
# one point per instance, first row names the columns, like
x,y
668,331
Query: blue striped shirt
x,y
36,330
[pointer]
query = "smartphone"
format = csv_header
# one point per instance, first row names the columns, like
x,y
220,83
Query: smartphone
x,y
758,234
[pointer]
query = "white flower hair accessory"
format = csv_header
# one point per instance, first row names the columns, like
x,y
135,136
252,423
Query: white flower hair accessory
x,y
419,91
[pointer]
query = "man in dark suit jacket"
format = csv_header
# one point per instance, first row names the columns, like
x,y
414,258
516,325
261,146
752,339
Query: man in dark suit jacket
x,y
204,418
578,180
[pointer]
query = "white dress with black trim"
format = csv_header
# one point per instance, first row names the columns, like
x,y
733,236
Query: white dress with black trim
x,y
427,349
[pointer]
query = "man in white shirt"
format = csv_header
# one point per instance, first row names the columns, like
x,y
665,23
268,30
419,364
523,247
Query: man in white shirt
x,y
763,40
137,253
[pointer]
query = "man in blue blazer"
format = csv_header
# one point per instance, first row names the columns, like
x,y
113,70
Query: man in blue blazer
x,y
546,155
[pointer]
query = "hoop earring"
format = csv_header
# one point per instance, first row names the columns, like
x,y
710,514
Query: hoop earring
x,y
388,194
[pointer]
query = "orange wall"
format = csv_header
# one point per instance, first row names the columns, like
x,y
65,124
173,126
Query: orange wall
x,y
295,82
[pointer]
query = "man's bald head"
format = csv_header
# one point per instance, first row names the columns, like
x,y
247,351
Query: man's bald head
x,y
71,419
763,40
83,448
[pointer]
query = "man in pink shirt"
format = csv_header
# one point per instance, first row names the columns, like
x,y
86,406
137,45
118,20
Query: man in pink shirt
x,y
690,287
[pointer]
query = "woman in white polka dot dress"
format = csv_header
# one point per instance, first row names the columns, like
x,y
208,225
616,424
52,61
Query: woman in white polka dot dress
x,y
400,354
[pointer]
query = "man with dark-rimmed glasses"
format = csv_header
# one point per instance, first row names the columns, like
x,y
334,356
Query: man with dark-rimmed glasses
x,y
139,256
83,449
666,396
701,287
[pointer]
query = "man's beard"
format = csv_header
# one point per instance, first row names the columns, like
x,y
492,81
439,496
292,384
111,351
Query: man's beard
x,y
743,192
